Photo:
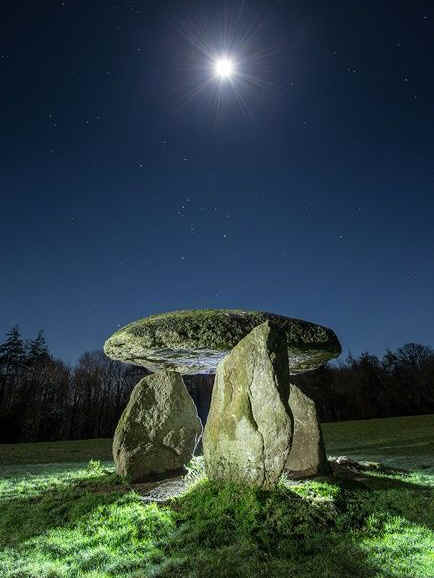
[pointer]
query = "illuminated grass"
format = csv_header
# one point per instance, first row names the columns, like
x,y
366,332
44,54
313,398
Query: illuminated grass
x,y
75,520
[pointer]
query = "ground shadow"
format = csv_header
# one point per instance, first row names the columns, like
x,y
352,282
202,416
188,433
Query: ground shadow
x,y
308,546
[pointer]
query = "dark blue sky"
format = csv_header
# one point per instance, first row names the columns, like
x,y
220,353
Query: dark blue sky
x,y
305,188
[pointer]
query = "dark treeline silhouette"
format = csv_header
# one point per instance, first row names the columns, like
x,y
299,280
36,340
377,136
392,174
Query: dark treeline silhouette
x,y
43,399
401,383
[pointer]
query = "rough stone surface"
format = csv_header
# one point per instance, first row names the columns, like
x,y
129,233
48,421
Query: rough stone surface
x,y
165,490
158,430
195,341
248,433
307,456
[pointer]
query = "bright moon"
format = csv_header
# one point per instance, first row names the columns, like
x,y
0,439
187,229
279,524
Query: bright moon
x,y
224,68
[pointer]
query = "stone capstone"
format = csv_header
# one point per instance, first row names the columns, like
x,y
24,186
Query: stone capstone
x,y
307,456
247,437
158,430
195,341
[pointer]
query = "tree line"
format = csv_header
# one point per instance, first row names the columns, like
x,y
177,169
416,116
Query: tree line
x,y
43,399
400,383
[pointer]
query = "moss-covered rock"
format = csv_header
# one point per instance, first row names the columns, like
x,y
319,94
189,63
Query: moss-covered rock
x,y
194,341
247,437
158,430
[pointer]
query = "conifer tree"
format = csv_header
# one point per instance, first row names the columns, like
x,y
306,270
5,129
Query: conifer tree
x,y
37,349
12,352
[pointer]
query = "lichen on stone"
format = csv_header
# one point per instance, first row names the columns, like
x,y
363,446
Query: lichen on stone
x,y
194,341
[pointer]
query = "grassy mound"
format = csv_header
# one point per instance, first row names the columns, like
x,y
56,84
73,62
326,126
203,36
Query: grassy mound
x,y
93,524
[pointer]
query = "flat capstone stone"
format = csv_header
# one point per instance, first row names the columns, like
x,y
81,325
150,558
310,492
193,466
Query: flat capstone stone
x,y
194,341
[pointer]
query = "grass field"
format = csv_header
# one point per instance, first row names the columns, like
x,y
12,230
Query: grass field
x,y
62,515
80,451
402,442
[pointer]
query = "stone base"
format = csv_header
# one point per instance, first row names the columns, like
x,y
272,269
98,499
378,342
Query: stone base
x,y
248,433
307,456
158,430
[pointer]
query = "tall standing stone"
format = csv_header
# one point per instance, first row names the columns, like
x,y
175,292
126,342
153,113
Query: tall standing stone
x,y
158,430
307,456
247,436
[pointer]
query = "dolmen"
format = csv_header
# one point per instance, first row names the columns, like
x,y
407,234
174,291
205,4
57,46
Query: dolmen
x,y
259,426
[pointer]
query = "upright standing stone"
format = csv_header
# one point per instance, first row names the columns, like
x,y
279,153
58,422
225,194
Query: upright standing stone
x,y
307,456
247,436
158,430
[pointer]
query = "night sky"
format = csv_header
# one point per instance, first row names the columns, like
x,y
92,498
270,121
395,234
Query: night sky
x,y
134,182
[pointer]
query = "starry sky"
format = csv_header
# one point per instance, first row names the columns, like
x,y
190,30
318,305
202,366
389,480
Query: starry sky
x,y
134,182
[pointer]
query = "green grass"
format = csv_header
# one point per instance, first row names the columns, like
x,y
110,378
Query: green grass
x,y
67,520
55,452
402,442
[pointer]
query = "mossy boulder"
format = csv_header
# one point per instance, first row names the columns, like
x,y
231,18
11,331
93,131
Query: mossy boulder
x,y
247,436
158,430
195,341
